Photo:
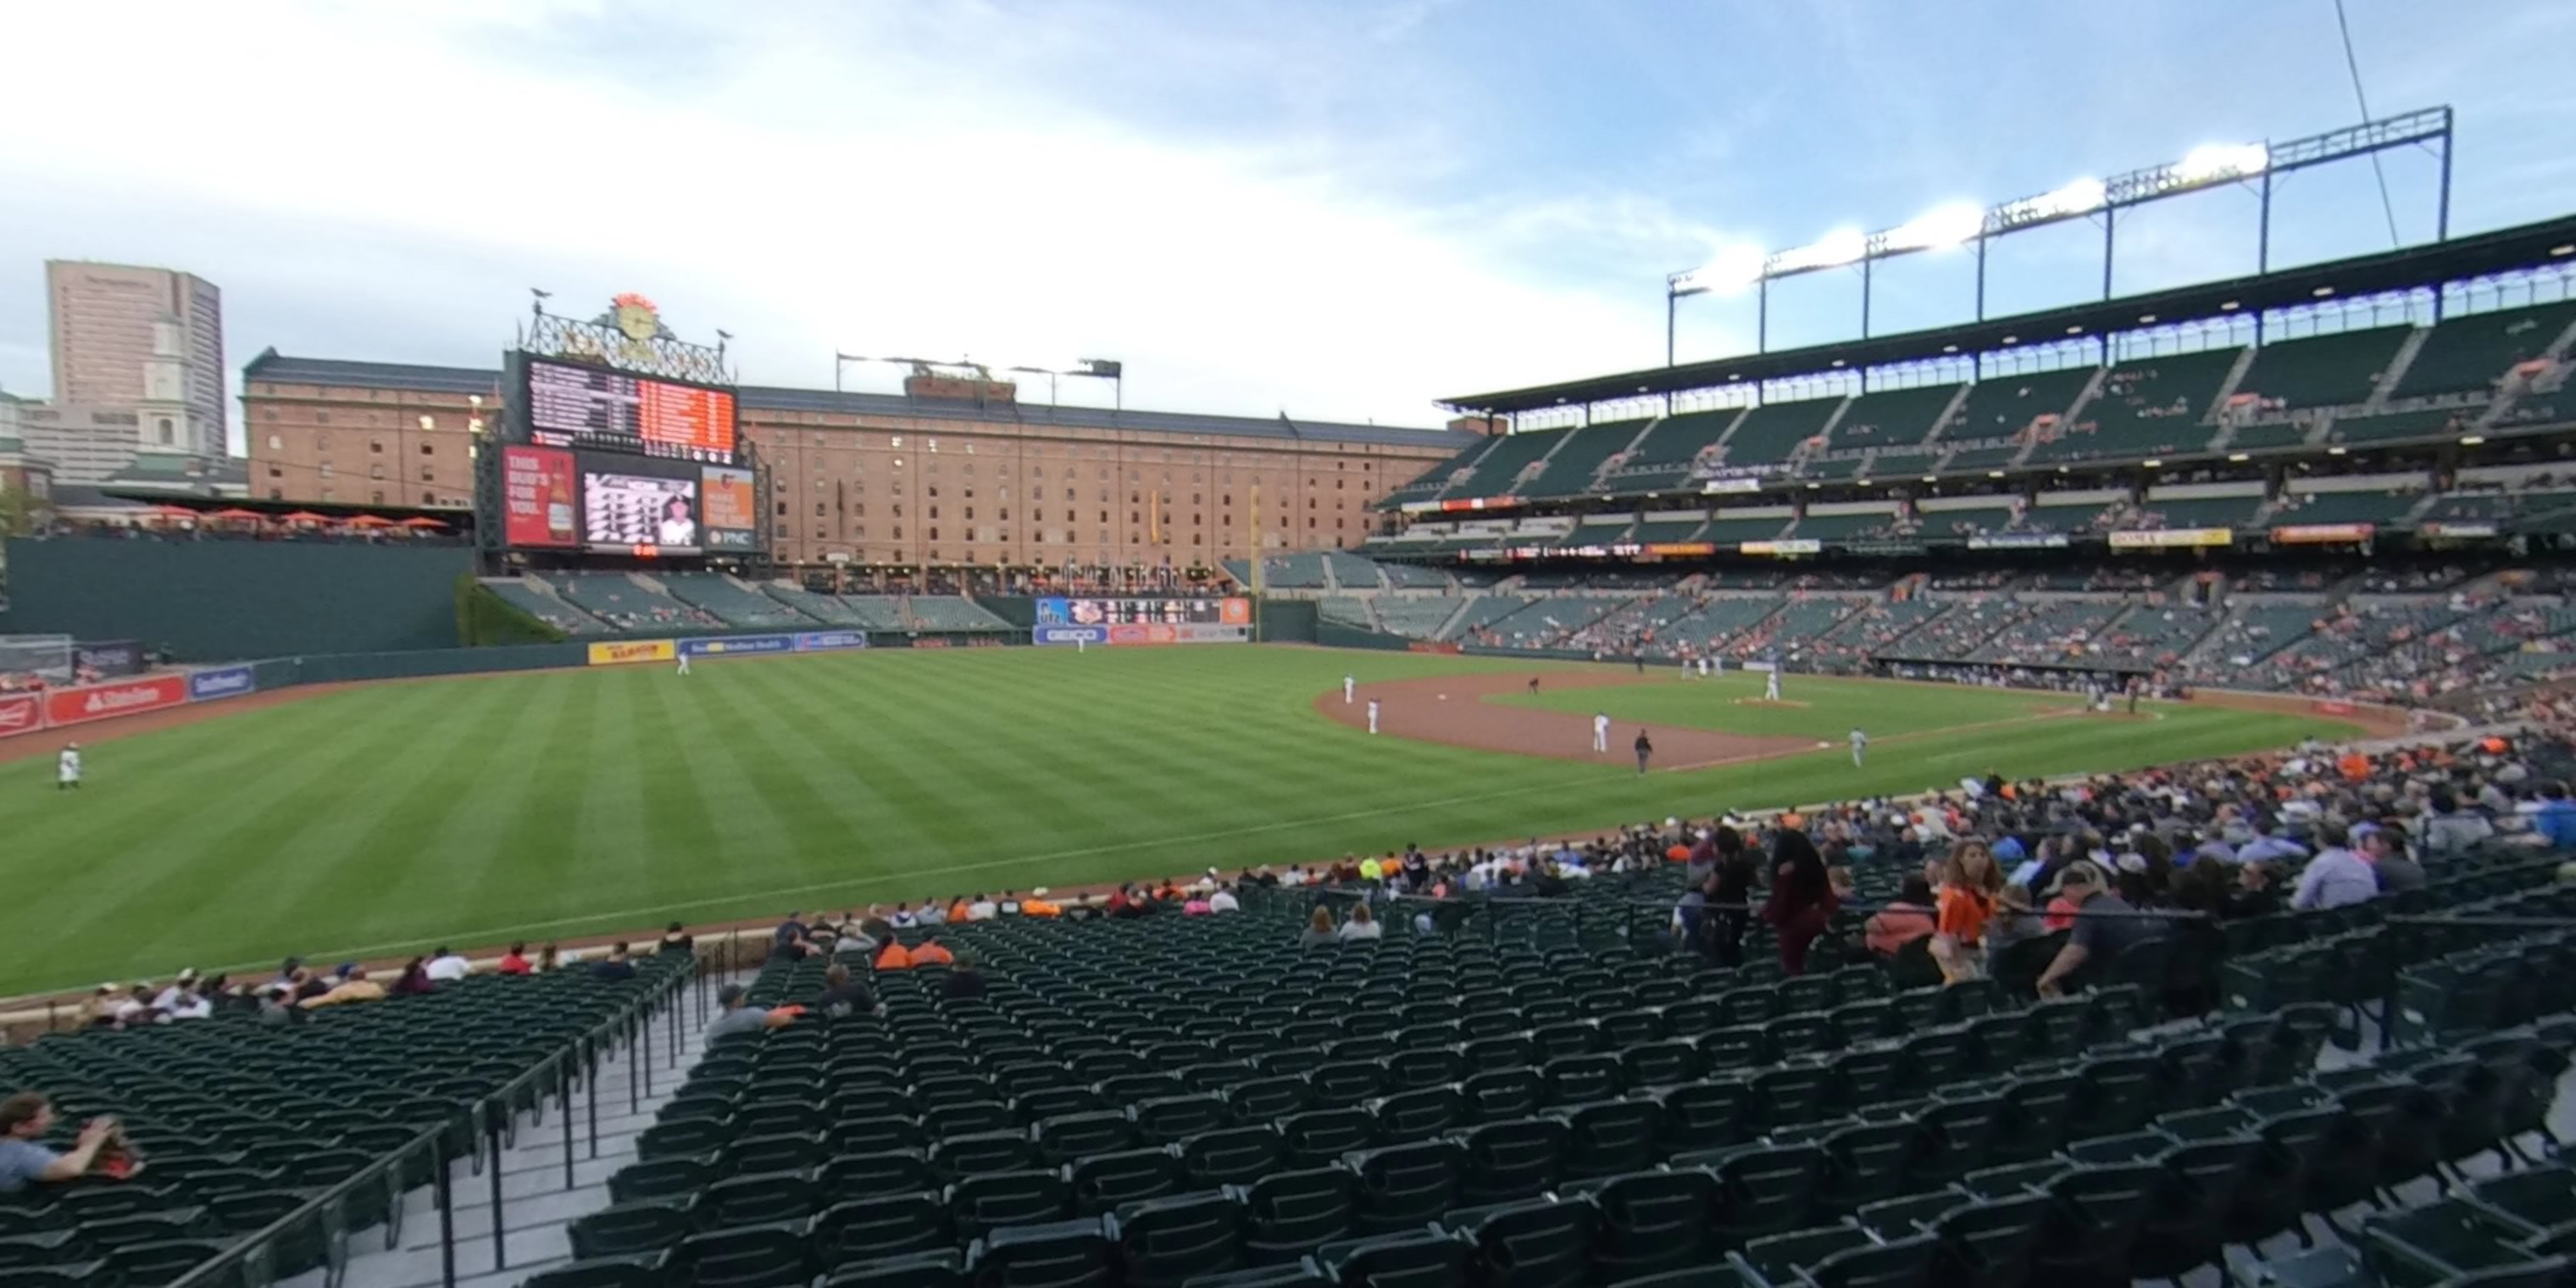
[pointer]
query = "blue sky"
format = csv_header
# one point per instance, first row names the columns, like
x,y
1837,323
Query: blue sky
x,y
1343,209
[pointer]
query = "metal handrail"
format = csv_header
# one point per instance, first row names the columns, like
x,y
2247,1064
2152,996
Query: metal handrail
x,y
489,1116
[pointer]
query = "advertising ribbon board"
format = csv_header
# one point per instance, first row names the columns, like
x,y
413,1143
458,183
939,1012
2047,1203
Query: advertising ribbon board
x,y
1782,547
2017,541
2171,538
2318,534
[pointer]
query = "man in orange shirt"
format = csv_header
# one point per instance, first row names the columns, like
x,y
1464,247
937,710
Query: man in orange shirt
x,y
930,953
894,956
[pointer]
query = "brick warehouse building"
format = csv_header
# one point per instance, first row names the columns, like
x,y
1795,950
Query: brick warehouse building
x,y
884,479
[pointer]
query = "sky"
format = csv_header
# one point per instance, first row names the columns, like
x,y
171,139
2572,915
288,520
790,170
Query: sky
x,y
1340,209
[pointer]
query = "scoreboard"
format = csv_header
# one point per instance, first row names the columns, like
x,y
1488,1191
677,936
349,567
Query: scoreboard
x,y
571,405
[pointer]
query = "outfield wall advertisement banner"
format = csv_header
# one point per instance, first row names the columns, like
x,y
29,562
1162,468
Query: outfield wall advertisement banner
x,y
1069,636
738,645
21,713
830,641
1132,634
122,698
221,682
621,651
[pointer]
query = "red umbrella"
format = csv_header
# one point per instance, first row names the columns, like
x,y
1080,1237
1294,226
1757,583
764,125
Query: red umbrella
x,y
422,521
303,516
176,511
370,521
236,514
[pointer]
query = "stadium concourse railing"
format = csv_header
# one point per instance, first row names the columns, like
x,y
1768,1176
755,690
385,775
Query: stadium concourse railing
x,y
479,1134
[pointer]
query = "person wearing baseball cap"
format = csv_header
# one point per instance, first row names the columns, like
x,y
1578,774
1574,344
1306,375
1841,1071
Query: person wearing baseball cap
x,y
2100,934
739,1016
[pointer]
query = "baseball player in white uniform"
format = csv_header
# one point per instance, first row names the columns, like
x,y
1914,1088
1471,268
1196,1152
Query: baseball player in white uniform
x,y
1350,685
1771,685
67,768
1600,733
1860,743
1372,715
684,664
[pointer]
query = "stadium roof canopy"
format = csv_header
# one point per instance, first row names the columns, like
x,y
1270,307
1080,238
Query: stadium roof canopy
x,y
2413,268
276,367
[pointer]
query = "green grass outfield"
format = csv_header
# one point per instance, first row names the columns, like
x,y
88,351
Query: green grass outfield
x,y
380,820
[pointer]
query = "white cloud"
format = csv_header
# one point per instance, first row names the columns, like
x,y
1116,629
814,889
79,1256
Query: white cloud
x,y
851,179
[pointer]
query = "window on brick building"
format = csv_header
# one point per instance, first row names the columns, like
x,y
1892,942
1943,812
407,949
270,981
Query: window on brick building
x,y
274,442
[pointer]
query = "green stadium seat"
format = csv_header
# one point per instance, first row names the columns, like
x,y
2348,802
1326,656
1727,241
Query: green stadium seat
x,y
1163,1243
2333,370
1061,1254
1289,1214
647,1270
856,1231
1422,1258
757,1200
756,1256
1102,1182
626,1229
945,1268
1533,1243
1231,1155
996,1199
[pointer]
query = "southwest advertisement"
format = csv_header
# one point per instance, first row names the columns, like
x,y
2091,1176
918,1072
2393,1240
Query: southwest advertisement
x,y
221,682
537,498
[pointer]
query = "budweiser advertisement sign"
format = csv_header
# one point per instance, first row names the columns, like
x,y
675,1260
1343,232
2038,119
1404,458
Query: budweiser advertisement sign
x,y
108,701
21,713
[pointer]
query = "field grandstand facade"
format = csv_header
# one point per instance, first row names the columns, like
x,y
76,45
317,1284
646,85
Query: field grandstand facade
x,y
883,479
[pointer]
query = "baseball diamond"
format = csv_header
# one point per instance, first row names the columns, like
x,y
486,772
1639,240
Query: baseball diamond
x,y
604,799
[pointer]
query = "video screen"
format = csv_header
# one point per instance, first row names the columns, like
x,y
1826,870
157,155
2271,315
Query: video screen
x,y
570,405
1112,612
730,511
639,514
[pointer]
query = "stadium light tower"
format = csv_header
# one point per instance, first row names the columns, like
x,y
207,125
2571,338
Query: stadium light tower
x,y
1735,268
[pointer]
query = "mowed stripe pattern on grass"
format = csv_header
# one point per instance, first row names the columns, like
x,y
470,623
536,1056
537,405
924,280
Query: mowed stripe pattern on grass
x,y
559,803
